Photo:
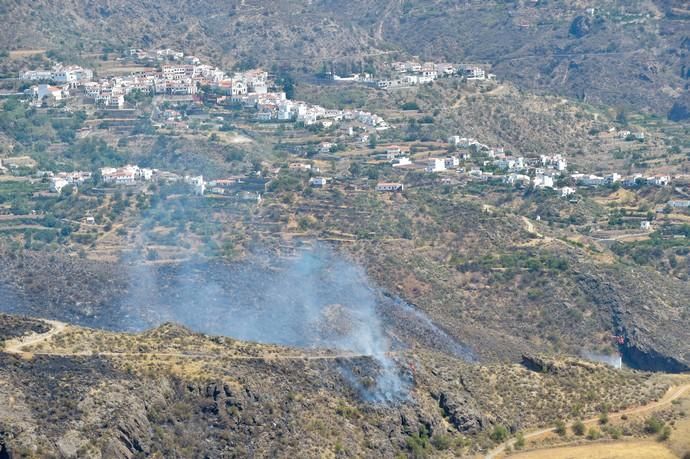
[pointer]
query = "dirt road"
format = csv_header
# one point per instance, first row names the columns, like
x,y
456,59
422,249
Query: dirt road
x,y
17,345
672,394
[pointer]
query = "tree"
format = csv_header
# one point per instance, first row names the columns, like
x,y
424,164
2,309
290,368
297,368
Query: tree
x,y
372,173
499,434
604,418
621,117
355,169
579,428
560,428
373,141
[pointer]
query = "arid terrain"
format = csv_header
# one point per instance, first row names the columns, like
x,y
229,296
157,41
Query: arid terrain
x,y
321,229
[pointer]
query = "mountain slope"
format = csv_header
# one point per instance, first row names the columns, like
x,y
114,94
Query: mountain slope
x,y
623,53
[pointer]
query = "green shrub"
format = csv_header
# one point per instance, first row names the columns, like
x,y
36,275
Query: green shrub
x,y
579,428
593,433
418,444
410,106
653,425
604,418
441,442
499,434
560,428
519,441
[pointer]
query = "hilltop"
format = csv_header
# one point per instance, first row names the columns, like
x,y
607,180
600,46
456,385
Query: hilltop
x,y
169,390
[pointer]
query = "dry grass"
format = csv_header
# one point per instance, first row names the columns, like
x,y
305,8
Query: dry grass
x,y
617,450
20,53
167,349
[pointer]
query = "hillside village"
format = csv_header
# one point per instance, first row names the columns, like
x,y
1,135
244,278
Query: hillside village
x,y
407,229
180,93
182,77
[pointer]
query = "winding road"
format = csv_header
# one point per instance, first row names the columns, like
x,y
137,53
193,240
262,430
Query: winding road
x,y
672,394
17,345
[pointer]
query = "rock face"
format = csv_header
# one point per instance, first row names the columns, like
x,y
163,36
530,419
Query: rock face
x,y
643,356
4,452
461,413
646,310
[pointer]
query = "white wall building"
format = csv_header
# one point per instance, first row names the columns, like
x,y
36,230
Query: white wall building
x,y
436,165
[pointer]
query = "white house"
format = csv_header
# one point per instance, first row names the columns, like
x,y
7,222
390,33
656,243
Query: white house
x,y
299,166
632,181
567,191
589,179
462,142
37,75
126,175
402,161
392,151
451,162
543,181
645,225
659,180
318,182
197,182
510,163
48,93
57,184
436,165
71,74
474,73
512,179
612,178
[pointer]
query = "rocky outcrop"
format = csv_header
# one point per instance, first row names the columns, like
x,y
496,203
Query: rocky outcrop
x,y
461,412
644,357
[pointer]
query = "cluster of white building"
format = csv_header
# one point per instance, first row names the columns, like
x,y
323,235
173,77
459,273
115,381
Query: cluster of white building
x,y
133,174
60,74
538,173
54,85
121,176
632,181
126,175
274,106
416,73
179,76
60,180
179,79
160,55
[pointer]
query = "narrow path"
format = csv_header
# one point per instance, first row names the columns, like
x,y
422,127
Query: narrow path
x,y
17,345
672,394
384,17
